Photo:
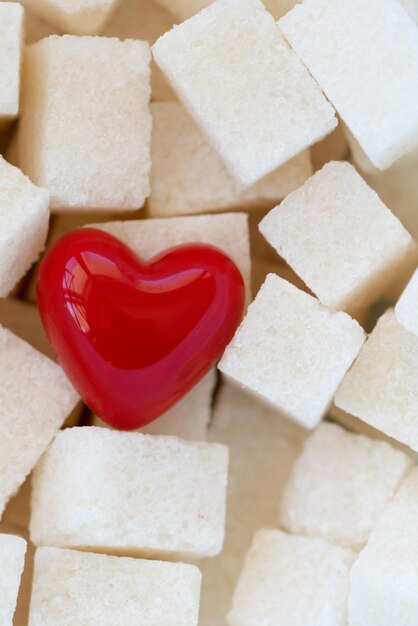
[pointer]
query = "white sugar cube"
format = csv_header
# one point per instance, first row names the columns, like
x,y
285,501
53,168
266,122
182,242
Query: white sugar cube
x,y
340,486
228,232
263,446
411,7
297,581
382,386
12,558
292,351
384,579
188,176
35,399
11,41
23,319
188,418
78,17
246,89
24,220
340,238
85,134
76,588
130,493
364,55
406,309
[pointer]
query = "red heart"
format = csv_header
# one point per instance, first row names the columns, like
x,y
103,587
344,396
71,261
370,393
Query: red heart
x,y
134,337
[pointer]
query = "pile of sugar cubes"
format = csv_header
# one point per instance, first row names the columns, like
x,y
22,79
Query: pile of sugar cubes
x,y
282,490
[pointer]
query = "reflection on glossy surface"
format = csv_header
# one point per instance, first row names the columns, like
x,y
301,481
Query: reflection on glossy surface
x,y
134,337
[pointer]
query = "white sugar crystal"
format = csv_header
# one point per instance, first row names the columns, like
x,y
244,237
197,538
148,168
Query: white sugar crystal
x,y
340,486
382,386
340,238
35,399
188,176
292,351
24,220
130,493
246,89
85,134
297,581
384,580
11,40
75,588
364,55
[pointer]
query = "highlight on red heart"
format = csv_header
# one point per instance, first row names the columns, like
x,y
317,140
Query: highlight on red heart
x,y
135,336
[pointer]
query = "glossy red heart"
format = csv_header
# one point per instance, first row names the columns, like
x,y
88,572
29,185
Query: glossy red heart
x,y
135,336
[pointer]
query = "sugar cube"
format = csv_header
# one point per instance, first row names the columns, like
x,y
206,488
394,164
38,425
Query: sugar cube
x,y
188,418
263,446
406,309
180,153
78,17
228,232
23,319
11,41
340,238
23,224
74,588
382,386
292,351
86,135
298,581
383,586
12,558
411,7
364,55
35,399
340,486
130,493
249,93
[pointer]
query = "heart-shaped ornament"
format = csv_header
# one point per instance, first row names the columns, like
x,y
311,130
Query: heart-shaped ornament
x,y
135,336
